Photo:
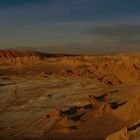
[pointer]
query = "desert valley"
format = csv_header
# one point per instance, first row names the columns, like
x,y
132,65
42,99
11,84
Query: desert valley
x,y
74,97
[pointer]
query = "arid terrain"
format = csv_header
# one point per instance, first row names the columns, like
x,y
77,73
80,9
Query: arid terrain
x,y
69,97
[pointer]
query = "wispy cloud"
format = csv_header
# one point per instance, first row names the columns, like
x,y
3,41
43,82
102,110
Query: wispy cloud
x,y
120,32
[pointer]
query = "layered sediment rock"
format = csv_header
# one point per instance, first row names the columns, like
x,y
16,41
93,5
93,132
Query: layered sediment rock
x,y
19,57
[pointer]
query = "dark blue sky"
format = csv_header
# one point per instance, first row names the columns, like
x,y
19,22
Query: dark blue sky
x,y
37,23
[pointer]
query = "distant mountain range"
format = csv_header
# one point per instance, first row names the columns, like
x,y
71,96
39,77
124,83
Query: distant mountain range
x,y
77,48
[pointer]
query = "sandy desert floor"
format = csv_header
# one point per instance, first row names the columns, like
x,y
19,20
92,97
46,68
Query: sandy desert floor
x,y
81,105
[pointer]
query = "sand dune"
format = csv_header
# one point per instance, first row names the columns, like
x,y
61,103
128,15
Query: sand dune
x,y
130,113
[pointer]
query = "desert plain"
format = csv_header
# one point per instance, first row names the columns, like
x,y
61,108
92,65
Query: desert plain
x,y
69,97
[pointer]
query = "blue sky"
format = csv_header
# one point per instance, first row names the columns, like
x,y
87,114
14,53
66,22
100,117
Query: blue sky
x,y
97,23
